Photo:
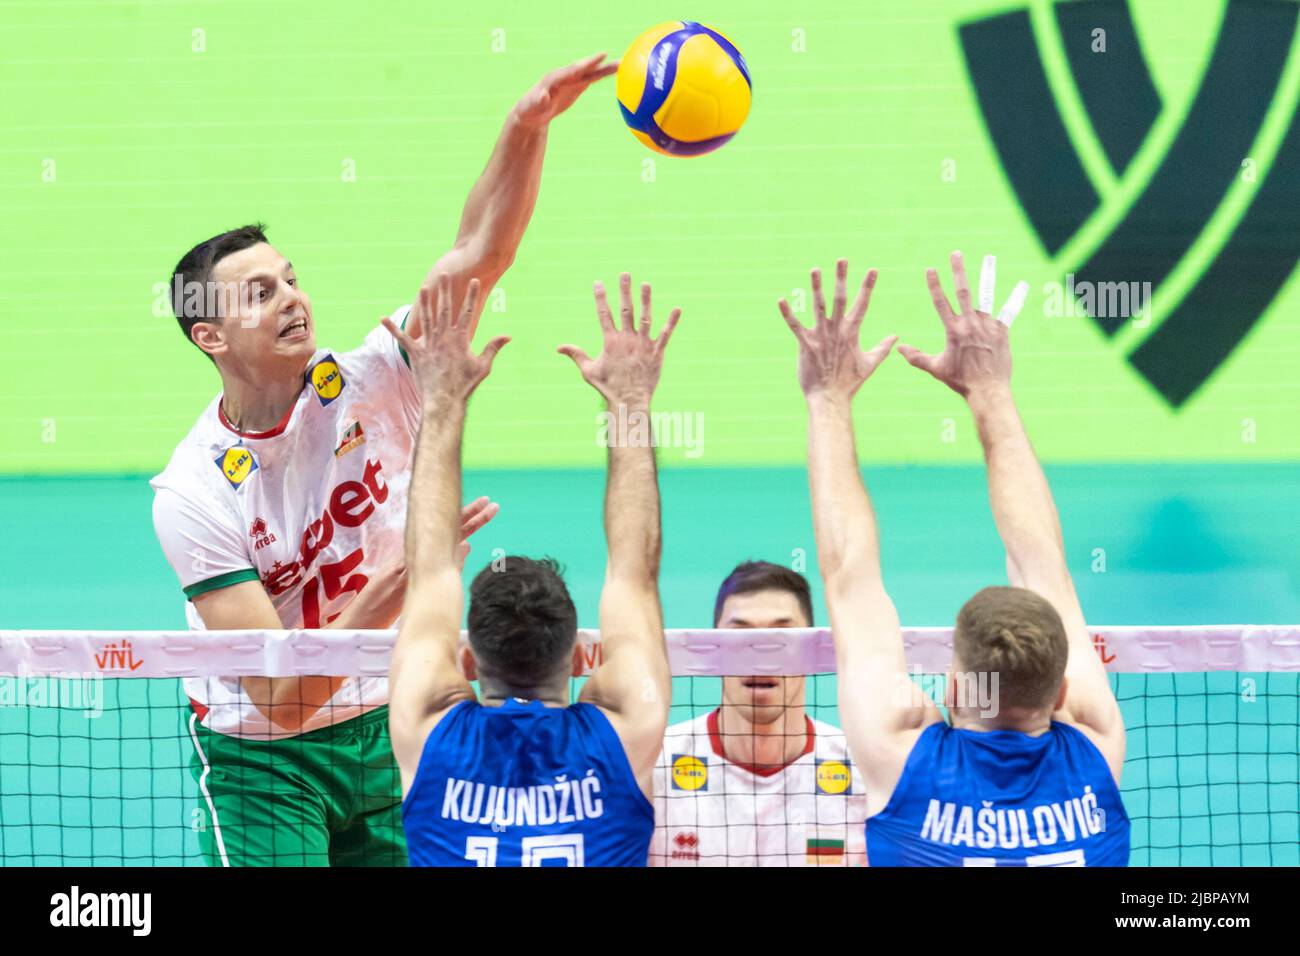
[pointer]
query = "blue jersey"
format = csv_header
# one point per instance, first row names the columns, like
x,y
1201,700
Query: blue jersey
x,y
1001,798
524,784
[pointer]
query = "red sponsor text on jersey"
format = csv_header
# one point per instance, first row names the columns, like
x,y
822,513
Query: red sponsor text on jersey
x,y
350,504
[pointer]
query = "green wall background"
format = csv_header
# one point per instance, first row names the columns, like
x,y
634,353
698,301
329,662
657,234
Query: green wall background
x,y
153,146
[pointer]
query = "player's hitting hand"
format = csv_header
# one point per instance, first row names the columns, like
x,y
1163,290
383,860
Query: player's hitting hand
x,y
627,369
437,344
977,350
556,91
830,359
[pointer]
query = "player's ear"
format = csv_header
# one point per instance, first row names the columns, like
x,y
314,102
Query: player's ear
x,y
208,336
1061,694
578,659
467,665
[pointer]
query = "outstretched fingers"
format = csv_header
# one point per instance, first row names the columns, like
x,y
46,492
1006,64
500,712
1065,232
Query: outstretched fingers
x,y
579,356
919,359
403,340
442,317
937,297
988,284
791,320
862,301
644,327
625,302
819,300
466,317
878,354
840,297
602,307
490,350
662,342
961,283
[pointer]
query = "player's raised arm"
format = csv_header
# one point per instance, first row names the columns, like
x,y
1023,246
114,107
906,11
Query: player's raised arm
x,y
881,717
424,677
632,684
976,364
501,203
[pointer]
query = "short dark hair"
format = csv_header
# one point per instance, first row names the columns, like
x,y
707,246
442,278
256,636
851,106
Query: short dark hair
x,y
197,265
750,576
1018,635
522,622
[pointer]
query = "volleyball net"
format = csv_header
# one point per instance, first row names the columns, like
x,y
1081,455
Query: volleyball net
x,y
103,758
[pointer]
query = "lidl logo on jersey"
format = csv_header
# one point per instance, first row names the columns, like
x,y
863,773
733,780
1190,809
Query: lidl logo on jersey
x,y
237,463
833,777
690,772
327,378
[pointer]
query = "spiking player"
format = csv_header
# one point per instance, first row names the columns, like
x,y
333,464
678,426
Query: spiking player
x,y
757,782
524,778
284,507
1028,772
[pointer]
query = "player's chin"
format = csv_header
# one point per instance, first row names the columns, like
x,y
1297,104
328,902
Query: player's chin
x,y
297,346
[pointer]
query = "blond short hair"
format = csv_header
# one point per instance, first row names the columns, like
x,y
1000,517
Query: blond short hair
x,y
1018,635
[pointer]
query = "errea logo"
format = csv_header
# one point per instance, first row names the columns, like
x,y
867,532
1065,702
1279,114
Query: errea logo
x,y
260,534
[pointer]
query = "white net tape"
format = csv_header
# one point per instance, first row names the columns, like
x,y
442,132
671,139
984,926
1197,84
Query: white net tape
x,y
703,652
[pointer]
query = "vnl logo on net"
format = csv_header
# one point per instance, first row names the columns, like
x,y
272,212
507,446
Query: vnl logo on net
x,y
1165,194
84,692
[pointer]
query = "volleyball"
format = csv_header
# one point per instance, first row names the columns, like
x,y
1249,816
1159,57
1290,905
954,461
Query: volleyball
x,y
683,88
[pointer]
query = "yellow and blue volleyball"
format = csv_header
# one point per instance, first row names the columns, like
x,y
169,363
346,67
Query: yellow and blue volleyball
x,y
683,88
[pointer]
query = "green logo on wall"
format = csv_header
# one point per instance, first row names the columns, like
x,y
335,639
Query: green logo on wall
x,y
1182,194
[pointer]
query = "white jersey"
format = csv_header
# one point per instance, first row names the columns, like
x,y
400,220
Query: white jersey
x,y
309,508
710,811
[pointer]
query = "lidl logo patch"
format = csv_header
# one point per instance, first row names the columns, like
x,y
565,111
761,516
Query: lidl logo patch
x,y
327,378
690,773
237,463
833,777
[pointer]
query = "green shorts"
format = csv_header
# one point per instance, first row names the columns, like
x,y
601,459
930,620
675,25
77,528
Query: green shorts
x,y
331,797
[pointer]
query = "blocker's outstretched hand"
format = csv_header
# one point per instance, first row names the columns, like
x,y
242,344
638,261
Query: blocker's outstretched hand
x,y
437,344
830,359
556,91
627,369
977,349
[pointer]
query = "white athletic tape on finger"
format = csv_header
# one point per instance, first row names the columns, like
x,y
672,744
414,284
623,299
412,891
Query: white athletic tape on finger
x,y
1014,304
988,280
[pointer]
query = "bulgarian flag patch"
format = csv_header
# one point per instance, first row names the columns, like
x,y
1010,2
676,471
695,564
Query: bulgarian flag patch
x,y
823,852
